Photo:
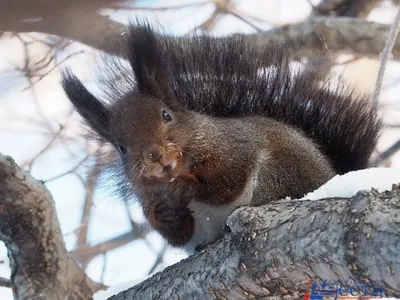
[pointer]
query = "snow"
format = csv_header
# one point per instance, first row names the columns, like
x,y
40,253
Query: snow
x,y
349,184
342,186
114,290
18,132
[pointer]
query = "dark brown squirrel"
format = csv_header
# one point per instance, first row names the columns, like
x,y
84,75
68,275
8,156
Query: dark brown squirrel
x,y
204,125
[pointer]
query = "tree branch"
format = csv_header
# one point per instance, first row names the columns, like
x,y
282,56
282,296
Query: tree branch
x,y
346,8
275,249
387,51
40,265
5,282
79,21
317,36
75,19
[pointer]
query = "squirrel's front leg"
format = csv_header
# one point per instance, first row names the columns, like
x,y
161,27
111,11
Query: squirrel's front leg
x,y
174,223
184,188
208,186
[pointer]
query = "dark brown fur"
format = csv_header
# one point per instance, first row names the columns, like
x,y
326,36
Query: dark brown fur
x,y
229,137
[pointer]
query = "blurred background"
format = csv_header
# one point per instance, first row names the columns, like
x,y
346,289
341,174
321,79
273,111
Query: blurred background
x,y
39,129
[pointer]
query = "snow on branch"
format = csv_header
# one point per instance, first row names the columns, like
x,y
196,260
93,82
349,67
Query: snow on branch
x,y
275,249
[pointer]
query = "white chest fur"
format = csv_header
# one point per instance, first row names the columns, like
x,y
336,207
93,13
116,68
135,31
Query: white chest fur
x,y
209,223
210,220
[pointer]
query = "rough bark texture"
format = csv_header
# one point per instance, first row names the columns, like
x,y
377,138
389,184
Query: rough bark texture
x,y
274,249
41,266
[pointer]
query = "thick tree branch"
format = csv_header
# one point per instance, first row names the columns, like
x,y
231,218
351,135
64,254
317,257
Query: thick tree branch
x,y
274,250
79,21
41,267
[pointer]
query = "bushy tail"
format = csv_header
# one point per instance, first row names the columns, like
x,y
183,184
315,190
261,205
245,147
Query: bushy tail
x,y
230,77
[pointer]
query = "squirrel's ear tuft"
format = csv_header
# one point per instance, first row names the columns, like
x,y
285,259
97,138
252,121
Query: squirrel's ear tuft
x,y
88,106
149,64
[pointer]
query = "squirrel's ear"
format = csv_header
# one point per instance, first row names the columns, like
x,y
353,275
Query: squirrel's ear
x,y
147,58
88,106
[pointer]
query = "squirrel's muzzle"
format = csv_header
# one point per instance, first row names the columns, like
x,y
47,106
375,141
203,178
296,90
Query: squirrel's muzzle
x,y
163,162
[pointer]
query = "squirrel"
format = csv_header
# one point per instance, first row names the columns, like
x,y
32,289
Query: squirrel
x,y
202,125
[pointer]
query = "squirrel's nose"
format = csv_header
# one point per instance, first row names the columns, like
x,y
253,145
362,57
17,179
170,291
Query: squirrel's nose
x,y
153,153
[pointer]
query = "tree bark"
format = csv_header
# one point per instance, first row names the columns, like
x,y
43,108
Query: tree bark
x,y
41,267
74,19
274,250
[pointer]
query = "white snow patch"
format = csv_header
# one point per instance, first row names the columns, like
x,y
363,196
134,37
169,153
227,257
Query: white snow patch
x,y
347,185
114,290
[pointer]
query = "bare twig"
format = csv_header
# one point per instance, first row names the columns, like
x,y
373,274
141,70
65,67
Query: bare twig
x,y
159,259
392,150
240,17
90,185
97,249
209,23
45,148
103,270
72,170
394,29
157,8
4,282
41,76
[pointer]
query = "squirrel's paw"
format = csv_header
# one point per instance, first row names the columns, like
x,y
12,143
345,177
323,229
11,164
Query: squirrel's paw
x,y
163,213
174,224
183,188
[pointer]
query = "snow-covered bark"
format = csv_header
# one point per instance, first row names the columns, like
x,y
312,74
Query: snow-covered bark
x,y
273,250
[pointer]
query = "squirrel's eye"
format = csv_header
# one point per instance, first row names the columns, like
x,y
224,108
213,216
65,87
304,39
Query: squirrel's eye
x,y
122,149
166,116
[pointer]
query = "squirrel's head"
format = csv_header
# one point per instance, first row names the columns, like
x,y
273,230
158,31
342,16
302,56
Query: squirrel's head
x,y
147,126
151,136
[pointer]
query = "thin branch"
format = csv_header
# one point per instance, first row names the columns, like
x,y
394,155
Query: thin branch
x,y
241,18
159,259
47,147
41,76
90,184
392,150
94,250
103,270
4,282
157,8
72,170
209,23
387,51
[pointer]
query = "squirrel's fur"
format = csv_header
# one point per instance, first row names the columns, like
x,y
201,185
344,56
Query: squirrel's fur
x,y
206,124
